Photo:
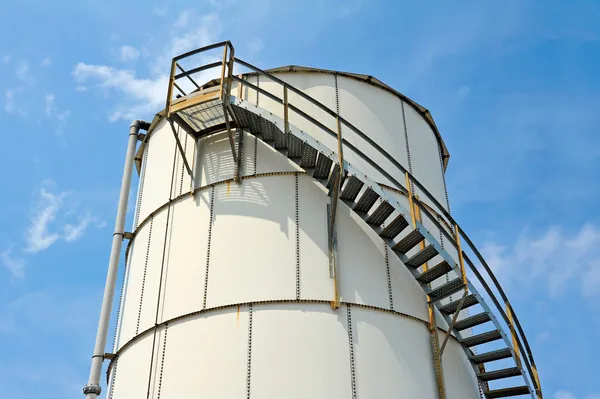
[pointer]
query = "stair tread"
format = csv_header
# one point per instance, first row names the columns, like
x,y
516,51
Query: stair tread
x,y
408,242
472,321
422,256
447,289
394,228
435,272
451,307
482,338
506,392
497,374
491,356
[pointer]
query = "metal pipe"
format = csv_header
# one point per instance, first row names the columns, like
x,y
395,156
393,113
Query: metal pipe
x,y
92,389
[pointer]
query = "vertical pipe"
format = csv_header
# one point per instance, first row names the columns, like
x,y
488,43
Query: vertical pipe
x,y
92,389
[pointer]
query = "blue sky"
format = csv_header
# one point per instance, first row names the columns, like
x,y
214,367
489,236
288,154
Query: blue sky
x,y
513,87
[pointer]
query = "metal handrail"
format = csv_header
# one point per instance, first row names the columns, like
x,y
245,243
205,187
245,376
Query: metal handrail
x,y
226,87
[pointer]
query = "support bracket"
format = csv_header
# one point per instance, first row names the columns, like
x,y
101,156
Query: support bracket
x,y
333,266
454,318
180,147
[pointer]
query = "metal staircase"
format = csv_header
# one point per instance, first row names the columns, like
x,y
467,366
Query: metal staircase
x,y
212,109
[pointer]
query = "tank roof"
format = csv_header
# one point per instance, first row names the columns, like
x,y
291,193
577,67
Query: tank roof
x,y
424,112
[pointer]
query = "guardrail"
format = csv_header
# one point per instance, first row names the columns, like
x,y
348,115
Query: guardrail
x,y
502,305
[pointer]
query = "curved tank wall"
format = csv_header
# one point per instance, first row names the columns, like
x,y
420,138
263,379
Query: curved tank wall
x,y
227,290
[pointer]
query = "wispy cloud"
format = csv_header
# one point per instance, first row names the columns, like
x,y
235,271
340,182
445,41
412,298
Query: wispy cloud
x,y
146,95
46,62
10,105
554,258
129,53
5,59
23,72
39,237
60,116
255,46
74,232
15,265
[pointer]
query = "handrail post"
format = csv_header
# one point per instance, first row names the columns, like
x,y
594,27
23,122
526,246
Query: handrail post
x,y
170,89
460,258
286,123
513,334
224,63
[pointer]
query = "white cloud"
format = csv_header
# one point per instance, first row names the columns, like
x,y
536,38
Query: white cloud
x,y
255,46
73,232
49,104
39,237
47,62
15,265
59,115
23,72
9,102
554,259
146,95
129,53
5,59
463,92
568,395
81,89
160,11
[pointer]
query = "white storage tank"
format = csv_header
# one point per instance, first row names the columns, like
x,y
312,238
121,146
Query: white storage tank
x,y
232,285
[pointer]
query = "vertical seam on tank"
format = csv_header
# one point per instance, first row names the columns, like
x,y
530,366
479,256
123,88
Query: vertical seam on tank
x,y
143,178
126,266
297,240
255,154
162,268
162,362
351,348
257,85
337,94
249,361
137,326
114,377
210,223
389,279
183,164
447,204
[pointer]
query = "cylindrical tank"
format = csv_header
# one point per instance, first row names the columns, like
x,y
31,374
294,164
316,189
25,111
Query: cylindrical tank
x,y
227,290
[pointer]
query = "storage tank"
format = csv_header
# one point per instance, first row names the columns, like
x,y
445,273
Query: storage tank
x,y
255,269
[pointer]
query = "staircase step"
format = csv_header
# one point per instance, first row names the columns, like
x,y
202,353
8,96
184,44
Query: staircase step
x,y
322,167
366,200
394,228
384,209
422,256
332,177
435,272
351,189
451,287
506,392
281,140
491,356
498,374
309,157
482,338
450,308
472,321
294,147
408,242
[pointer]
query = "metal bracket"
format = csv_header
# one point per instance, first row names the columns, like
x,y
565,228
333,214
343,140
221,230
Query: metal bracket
x,y
127,235
110,356
180,147
333,266
454,318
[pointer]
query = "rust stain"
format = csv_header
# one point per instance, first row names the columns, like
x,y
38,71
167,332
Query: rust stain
x,y
228,188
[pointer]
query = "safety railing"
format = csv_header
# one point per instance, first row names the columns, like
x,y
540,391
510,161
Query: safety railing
x,y
437,214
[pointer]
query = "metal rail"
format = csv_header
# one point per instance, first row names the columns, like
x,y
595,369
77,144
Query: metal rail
x,y
519,339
